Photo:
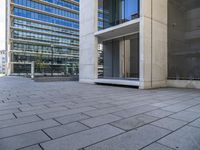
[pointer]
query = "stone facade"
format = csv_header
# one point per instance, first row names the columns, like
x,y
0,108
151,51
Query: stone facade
x,y
153,42
168,48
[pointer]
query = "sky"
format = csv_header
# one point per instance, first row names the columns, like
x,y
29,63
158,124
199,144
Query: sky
x,y
2,24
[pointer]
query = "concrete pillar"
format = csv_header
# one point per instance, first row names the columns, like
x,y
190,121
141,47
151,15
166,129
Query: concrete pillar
x,y
9,66
127,58
32,69
121,58
88,42
153,43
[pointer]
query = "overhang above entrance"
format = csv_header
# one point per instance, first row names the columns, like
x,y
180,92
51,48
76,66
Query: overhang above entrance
x,y
127,28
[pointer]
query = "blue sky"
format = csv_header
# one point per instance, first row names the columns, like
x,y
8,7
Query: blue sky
x,y
2,24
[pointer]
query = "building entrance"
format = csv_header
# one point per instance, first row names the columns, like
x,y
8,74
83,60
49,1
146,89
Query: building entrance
x,y
119,58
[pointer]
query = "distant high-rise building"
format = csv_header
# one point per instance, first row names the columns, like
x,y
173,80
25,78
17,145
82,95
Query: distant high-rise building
x,y
2,61
45,32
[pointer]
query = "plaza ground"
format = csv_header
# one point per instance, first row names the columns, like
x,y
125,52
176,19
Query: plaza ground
x,y
74,116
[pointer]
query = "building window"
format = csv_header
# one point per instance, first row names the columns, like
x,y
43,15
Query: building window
x,y
114,12
45,18
119,58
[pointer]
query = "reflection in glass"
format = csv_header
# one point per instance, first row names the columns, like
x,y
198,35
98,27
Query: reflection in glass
x,y
131,9
118,11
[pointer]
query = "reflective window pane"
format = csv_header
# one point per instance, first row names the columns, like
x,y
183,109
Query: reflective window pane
x,y
117,11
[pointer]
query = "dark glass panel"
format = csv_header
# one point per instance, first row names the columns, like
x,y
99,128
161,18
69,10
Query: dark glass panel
x,y
184,39
119,58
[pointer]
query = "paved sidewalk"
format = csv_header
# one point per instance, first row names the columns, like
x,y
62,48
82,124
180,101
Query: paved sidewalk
x,y
74,116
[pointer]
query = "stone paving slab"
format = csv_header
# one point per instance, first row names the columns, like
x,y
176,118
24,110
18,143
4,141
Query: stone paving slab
x,y
66,112
14,130
30,108
82,139
157,146
63,130
181,106
79,105
187,138
12,106
169,123
18,121
99,112
196,123
9,111
134,122
34,147
35,104
23,140
132,140
194,109
102,105
74,116
71,118
61,103
132,112
159,113
6,117
186,116
101,120
41,111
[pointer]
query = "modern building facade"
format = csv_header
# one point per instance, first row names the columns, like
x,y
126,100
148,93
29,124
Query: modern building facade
x,y
44,33
2,61
144,43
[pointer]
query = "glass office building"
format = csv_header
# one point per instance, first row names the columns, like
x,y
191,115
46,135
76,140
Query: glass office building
x,y
44,32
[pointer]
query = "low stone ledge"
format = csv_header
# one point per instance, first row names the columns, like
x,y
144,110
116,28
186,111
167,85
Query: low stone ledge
x,y
54,79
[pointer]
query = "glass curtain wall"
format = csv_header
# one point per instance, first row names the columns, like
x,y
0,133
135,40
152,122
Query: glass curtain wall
x,y
119,11
46,33
119,58
184,39
100,14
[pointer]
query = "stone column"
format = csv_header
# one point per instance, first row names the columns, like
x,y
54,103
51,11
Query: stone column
x,y
153,43
32,69
88,42
9,66
121,58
